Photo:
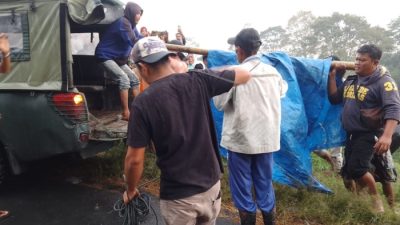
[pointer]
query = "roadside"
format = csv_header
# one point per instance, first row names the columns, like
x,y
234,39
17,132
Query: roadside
x,y
83,192
61,191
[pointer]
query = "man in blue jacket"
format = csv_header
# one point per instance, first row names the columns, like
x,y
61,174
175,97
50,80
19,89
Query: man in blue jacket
x,y
113,51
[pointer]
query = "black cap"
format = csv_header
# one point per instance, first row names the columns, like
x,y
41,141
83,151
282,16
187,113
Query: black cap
x,y
248,39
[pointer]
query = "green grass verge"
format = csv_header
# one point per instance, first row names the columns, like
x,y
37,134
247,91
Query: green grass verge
x,y
294,206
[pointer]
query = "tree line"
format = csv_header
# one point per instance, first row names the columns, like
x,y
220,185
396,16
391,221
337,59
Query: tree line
x,y
339,34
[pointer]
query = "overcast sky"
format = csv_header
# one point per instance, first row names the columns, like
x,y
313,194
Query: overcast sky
x,y
211,22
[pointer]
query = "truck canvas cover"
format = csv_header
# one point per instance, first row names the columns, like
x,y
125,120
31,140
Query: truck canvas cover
x,y
39,37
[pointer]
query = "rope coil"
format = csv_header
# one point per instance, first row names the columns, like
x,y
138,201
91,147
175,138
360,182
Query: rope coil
x,y
136,211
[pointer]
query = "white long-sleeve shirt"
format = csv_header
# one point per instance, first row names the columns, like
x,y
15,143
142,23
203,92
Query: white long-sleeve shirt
x,y
252,111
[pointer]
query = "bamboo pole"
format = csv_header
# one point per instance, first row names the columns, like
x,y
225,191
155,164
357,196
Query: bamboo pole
x,y
201,51
182,48
348,65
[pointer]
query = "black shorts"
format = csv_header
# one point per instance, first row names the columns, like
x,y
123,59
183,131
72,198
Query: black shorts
x,y
358,154
359,158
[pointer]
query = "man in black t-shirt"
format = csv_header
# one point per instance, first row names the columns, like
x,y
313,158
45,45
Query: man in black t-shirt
x,y
174,113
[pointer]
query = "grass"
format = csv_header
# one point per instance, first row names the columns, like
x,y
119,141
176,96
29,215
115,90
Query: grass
x,y
294,206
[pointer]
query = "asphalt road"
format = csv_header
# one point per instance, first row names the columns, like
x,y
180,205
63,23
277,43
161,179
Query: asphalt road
x,y
37,198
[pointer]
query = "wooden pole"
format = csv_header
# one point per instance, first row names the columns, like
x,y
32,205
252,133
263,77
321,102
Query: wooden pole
x,y
200,51
182,48
348,65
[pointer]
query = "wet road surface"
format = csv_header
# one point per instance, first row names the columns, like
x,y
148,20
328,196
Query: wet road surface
x,y
38,198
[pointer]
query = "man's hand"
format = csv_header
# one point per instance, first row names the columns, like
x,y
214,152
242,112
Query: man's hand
x,y
129,196
337,70
382,145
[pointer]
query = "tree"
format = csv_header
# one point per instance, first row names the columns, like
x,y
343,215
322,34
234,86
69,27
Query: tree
x,y
301,41
342,35
274,39
394,28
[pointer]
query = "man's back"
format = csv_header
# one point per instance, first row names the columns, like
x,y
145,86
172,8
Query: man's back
x,y
174,112
252,117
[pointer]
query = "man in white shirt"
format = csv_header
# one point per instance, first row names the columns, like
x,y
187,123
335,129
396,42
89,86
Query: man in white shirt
x,y
251,130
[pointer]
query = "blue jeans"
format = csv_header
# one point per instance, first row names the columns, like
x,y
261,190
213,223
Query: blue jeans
x,y
245,171
123,75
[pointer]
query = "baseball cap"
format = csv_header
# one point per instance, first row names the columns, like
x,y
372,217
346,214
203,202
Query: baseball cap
x,y
150,50
247,38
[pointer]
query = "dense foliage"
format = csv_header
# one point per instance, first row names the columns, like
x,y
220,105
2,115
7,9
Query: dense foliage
x,y
339,34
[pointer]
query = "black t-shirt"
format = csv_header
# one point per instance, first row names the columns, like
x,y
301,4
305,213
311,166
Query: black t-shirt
x,y
175,113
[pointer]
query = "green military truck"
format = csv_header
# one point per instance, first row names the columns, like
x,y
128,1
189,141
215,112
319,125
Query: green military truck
x,y
56,99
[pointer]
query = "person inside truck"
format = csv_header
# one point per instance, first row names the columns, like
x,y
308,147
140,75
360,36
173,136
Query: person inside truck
x,y
6,53
114,49
5,67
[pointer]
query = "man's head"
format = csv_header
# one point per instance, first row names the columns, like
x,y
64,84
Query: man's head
x,y
163,35
247,43
367,59
190,59
179,36
133,12
153,59
144,32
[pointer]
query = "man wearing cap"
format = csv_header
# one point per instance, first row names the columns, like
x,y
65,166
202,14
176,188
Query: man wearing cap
x,y
114,49
251,130
174,113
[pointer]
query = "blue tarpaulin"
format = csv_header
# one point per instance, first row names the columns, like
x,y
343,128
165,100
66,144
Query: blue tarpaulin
x,y
309,121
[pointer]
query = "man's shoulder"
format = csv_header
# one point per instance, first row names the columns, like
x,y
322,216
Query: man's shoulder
x,y
257,66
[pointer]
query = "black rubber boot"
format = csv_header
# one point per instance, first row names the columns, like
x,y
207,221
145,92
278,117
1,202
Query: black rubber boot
x,y
269,218
247,218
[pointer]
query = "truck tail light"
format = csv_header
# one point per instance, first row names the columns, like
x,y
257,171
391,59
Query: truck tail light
x,y
71,105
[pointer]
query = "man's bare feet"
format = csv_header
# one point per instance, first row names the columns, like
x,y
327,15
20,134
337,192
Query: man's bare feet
x,y
377,204
125,115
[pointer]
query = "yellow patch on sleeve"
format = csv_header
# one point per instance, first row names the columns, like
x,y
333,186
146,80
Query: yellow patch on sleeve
x,y
389,86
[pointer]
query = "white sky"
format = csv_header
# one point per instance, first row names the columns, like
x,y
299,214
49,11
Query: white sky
x,y
211,22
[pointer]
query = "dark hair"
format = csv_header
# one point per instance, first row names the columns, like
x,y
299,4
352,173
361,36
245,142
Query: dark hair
x,y
372,50
199,66
334,58
248,39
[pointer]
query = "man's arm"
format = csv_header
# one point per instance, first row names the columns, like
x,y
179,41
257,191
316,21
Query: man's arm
x,y
5,50
332,88
128,33
134,161
241,75
384,141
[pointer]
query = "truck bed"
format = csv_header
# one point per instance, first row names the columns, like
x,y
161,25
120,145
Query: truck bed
x,y
107,126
